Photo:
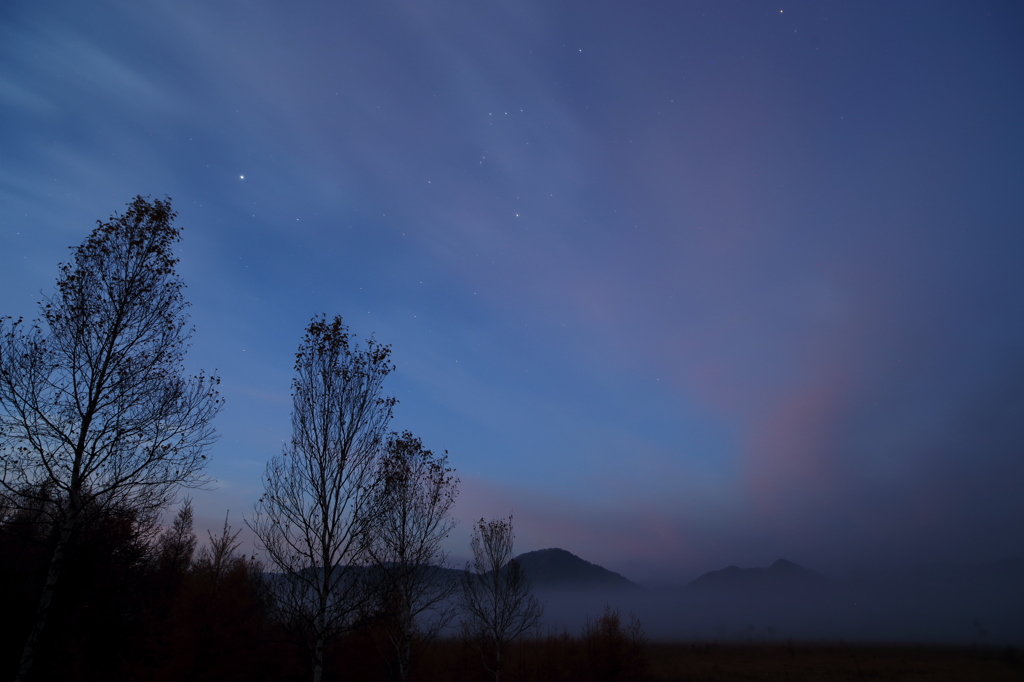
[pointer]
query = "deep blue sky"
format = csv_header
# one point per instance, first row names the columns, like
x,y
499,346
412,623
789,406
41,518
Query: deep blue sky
x,y
680,284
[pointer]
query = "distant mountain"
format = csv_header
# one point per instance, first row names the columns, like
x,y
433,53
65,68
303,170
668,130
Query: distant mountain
x,y
780,575
558,568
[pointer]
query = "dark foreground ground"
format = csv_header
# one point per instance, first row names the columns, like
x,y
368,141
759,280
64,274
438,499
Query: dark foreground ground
x,y
562,659
805,662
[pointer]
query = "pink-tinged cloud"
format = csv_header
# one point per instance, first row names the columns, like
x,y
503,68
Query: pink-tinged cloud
x,y
789,450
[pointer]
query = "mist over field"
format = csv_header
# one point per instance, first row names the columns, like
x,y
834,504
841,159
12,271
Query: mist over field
x,y
942,605
937,604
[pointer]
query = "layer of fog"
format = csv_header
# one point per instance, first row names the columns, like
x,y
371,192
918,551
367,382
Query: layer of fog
x,y
940,605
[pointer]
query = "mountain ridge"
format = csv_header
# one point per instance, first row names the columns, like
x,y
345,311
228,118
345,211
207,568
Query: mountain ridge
x,y
782,574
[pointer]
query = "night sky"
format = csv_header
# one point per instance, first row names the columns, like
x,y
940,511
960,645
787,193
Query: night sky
x,y
679,284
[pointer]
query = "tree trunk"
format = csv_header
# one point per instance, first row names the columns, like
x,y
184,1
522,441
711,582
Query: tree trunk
x,y
404,656
318,658
28,654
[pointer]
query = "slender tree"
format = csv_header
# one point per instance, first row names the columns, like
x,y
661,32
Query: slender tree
x,y
319,494
220,554
414,593
176,545
498,605
95,408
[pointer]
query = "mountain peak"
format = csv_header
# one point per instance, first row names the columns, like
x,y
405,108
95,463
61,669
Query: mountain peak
x,y
783,565
556,567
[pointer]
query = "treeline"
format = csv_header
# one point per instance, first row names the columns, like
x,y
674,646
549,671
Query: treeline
x,y
100,430
136,605
140,605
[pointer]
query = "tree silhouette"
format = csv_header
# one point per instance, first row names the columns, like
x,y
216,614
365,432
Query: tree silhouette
x,y
417,491
214,627
176,545
615,652
320,493
498,605
95,409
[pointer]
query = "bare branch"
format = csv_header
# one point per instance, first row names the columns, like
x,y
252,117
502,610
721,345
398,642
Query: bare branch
x,y
498,605
320,492
412,588
95,409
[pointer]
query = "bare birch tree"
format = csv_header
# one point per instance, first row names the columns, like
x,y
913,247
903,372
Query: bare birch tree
x,y
498,605
319,493
412,586
96,412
